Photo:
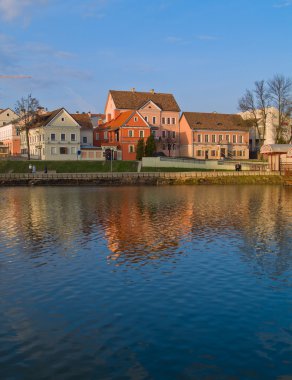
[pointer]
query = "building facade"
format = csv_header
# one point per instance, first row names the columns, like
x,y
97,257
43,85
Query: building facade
x,y
213,136
121,135
53,136
159,110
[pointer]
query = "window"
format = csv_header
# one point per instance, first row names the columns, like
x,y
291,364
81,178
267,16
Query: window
x,y
220,138
173,120
62,136
84,140
146,118
63,119
168,134
131,149
141,133
227,138
163,146
63,150
206,138
199,138
173,146
213,153
130,134
136,119
105,135
240,139
53,137
213,138
163,120
234,139
73,150
199,153
173,135
53,150
168,120
234,153
163,134
154,120
73,138
97,136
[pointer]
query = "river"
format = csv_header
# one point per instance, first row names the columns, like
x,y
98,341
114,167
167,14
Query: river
x,y
174,282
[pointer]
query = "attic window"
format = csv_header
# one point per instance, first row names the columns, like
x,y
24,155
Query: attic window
x,y
149,107
8,114
63,119
135,119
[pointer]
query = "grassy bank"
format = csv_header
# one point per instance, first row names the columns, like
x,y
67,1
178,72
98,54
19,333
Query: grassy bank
x,y
173,170
236,180
9,166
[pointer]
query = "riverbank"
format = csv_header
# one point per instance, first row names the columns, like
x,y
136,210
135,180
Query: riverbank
x,y
131,178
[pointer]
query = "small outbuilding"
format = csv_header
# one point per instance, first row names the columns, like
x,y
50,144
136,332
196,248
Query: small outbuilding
x,y
279,156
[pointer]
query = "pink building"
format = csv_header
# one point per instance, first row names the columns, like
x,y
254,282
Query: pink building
x,y
159,110
9,132
214,136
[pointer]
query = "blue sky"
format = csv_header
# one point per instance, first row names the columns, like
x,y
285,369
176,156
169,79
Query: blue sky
x,y
205,52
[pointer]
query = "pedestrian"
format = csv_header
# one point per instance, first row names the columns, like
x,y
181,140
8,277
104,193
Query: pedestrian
x,y
30,168
33,169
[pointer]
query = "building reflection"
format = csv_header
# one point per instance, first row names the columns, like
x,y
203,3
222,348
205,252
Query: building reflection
x,y
140,224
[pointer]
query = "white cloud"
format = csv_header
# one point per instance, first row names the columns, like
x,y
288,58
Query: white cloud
x,y
12,9
283,4
206,37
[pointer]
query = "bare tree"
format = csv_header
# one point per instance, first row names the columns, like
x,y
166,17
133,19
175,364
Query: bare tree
x,y
256,103
27,109
280,89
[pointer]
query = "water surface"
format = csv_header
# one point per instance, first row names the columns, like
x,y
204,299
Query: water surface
x,y
186,282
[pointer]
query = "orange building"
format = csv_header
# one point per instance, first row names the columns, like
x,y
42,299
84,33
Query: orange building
x,y
121,135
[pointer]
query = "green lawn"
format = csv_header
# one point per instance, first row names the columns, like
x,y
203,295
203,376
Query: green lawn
x,y
149,169
11,166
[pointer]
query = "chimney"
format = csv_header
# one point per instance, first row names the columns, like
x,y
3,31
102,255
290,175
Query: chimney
x,y
152,91
89,113
77,111
133,89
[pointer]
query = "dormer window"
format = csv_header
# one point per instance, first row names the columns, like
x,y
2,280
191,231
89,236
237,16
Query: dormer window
x,y
219,124
198,123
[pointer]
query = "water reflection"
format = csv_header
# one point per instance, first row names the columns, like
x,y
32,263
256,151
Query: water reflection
x,y
142,224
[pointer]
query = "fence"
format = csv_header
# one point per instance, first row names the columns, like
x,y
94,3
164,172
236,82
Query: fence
x,y
130,175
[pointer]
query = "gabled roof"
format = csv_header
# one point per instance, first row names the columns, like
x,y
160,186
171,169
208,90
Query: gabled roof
x,y
83,119
122,120
215,121
7,109
135,100
276,148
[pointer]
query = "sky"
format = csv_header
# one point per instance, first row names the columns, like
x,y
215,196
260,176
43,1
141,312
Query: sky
x,y
205,52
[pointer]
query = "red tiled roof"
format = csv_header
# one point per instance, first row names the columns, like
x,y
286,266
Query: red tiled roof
x,y
216,121
83,119
135,100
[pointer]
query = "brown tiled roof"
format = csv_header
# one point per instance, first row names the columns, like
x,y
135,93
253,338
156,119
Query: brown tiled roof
x,y
135,100
216,121
83,119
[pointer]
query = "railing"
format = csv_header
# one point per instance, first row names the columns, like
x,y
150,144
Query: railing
x,y
130,175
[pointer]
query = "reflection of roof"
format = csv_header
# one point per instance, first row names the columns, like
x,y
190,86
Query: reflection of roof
x,y
215,121
135,100
276,148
